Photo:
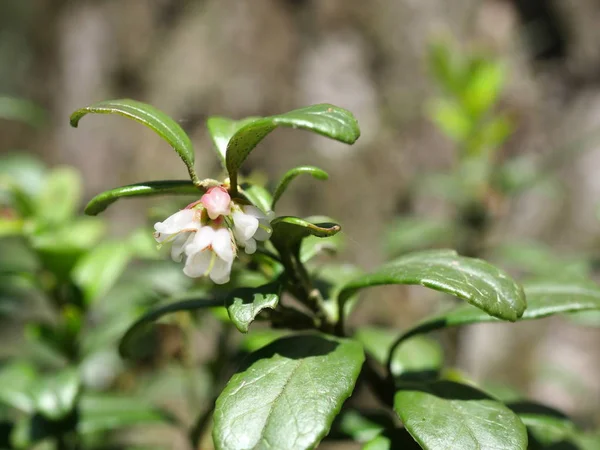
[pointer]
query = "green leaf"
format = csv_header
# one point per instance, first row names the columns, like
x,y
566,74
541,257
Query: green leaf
x,y
55,395
313,246
327,120
60,196
394,439
258,338
15,382
244,304
484,85
98,271
259,197
288,232
544,298
136,333
287,178
103,413
451,119
363,426
545,424
287,394
149,188
415,358
445,67
473,280
147,115
222,129
450,415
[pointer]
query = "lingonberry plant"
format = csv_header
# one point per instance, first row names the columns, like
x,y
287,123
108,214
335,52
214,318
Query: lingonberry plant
x,y
290,391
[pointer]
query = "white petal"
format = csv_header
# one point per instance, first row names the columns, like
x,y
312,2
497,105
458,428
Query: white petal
x,y
222,244
245,225
202,239
179,244
176,222
254,212
263,233
197,264
250,246
221,271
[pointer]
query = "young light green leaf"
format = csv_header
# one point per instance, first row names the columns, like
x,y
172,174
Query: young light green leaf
x,y
60,196
258,196
109,412
244,304
55,395
451,119
451,415
327,120
288,232
221,130
473,280
149,188
98,271
153,118
416,357
544,298
289,176
136,332
303,377
484,85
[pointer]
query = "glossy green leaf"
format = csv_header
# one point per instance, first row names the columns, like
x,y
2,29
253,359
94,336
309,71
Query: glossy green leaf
x,y
544,298
327,120
110,412
587,441
222,129
60,196
259,197
394,439
546,425
417,356
417,233
473,280
134,337
289,176
15,382
98,270
244,304
287,394
364,425
55,395
147,189
288,232
258,338
454,416
153,118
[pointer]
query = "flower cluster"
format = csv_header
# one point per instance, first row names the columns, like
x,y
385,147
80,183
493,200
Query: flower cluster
x,y
208,232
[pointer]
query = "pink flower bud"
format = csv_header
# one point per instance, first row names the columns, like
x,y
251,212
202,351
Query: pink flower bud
x,y
217,202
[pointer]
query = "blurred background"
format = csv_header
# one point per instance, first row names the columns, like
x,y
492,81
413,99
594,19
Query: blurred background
x,y
394,64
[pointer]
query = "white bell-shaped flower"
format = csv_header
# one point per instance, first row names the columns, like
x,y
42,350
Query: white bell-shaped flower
x,y
250,224
178,229
211,252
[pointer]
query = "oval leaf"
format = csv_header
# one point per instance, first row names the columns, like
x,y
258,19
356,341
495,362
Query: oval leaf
x,y
128,344
544,298
327,120
221,130
149,188
288,394
546,425
315,172
153,118
451,415
244,304
473,280
258,196
391,440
